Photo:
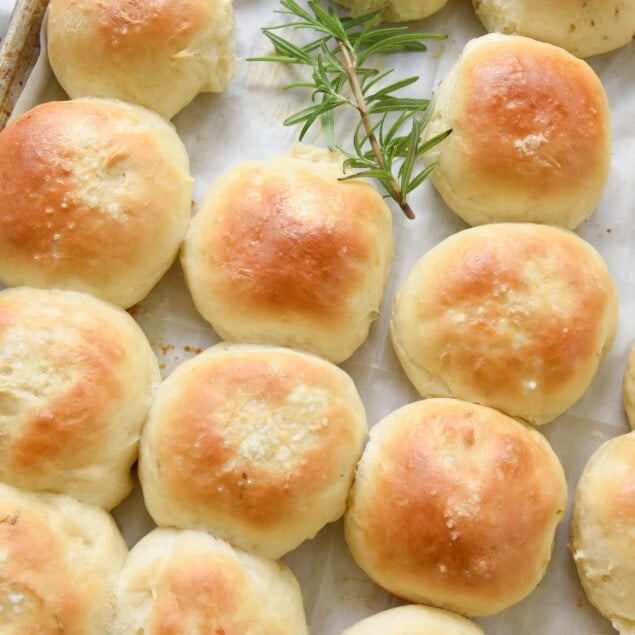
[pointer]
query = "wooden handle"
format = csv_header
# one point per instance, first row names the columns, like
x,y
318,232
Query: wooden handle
x,y
18,52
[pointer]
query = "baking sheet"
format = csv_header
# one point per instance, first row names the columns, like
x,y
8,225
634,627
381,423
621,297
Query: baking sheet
x,y
245,123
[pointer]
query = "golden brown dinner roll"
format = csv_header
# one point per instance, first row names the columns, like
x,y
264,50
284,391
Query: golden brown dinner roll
x,y
516,316
282,252
159,54
455,505
603,530
60,562
77,376
414,619
188,583
628,387
395,10
531,134
584,27
256,444
95,197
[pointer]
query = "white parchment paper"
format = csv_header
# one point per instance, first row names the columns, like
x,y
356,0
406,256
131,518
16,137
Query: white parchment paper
x,y
245,123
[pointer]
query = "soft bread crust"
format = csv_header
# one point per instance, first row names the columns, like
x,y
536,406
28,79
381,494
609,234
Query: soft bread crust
x,y
516,316
628,387
189,582
603,530
60,562
583,27
455,505
282,252
77,376
395,10
531,134
414,619
157,53
96,197
255,444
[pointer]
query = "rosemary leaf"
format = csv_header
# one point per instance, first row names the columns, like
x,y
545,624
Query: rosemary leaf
x,y
327,119
421,177
430,143
288,49
391,88
338,55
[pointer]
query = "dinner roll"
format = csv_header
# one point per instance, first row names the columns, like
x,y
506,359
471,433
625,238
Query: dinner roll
x,y
414,619
531,134
455,505
77,377
628,387
60,562
395,10
189,582
603,530
516,316
256,444
282,252
95,197
584,27
158,54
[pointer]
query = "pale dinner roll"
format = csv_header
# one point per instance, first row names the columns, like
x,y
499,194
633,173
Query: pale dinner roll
x,y
414,619
628,387
77,376
95,197
282,252
455,505
60,560
584,27
256,444
191,583
159,54
531,134
603,530
395,10
516,316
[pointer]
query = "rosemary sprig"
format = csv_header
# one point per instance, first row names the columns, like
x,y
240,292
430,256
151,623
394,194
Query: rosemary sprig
x,y
340,76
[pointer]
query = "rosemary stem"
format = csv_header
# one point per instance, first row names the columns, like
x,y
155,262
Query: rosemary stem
x,y
351,72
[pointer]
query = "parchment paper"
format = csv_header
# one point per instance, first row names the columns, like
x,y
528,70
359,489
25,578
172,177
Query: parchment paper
x,y
245,123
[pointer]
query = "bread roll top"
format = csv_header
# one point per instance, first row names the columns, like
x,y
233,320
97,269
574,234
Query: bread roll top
x,y
283,252
96,197
516,316
189,582
60,562
602,530
77,376
158,53
414,619
584,28
455,505
256,444
531,134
